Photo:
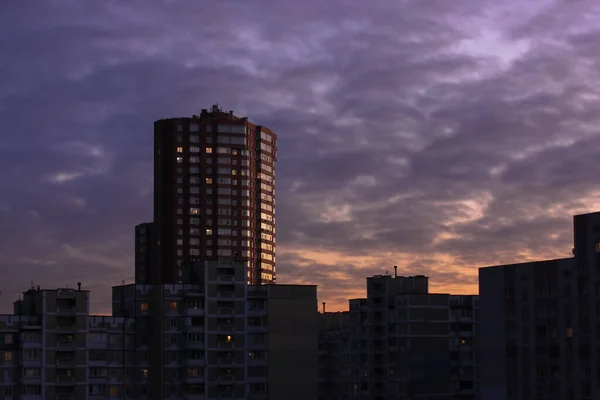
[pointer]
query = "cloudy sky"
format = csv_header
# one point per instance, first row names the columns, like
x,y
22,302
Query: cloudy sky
x,y
439,136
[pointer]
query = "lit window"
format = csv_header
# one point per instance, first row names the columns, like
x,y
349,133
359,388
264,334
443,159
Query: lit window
x,y
569,332
179,160
229,338
144,306
208,150
194,211
209,231
179,149
8,356
145,373
597,247
113,390
208,180
173,306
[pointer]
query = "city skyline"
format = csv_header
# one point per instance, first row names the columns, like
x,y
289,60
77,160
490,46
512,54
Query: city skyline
x,y
461,137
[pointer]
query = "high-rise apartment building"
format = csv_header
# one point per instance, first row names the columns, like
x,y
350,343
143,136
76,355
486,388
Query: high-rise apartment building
x,y
538,332
214,194
400,342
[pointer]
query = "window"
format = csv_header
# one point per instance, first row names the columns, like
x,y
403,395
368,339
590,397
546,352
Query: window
x,y
194,149
223,150
194,170
194,160
179,160
144,306
173,306
194,211
208,150
194,139
179,149
8,338
209,232
266,147
8,356
209,180
194,128
113,391
266,137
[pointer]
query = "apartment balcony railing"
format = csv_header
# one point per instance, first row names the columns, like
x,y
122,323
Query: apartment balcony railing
x,y
65,344
225,328
224,362
65,380
66,310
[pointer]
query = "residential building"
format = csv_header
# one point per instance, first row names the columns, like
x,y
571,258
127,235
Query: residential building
x,y
213,338
538,333
214,194
146,246
400,342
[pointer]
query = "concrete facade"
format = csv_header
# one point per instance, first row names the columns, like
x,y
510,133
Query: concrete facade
x,y
213,338
538,332
400,342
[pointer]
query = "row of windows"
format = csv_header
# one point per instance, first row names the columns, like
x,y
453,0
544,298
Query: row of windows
x,y
221,242
220,160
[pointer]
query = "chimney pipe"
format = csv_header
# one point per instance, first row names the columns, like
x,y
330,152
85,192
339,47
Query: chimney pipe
x,y
78,285
395,271
323,307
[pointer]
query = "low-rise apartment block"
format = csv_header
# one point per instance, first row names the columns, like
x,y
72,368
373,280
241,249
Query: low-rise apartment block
x,y
400,342
214,338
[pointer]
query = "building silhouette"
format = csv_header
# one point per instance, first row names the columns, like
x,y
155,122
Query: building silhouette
x,y
214,337
539,329
400,342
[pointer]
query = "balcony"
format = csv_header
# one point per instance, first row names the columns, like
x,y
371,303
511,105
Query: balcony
x,y
226,295
65,380
65,345
65,294
225,362
226,379
226,278
66,310
225,328
256,328
65,396
65,362
225,311
256,311
225,345
226,395
66,328
194,312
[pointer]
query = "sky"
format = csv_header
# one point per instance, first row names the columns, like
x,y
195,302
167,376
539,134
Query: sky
x,y
439,136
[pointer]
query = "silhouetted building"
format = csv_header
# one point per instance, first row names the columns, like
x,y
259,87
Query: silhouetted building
x,y
146,246
214,196
218,338
538,330
401,342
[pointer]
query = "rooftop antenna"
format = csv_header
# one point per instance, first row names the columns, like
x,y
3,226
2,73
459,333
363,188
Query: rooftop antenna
x,y
323,307
395,271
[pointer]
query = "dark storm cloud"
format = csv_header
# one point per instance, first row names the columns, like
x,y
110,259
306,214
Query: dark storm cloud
x,y
438,136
